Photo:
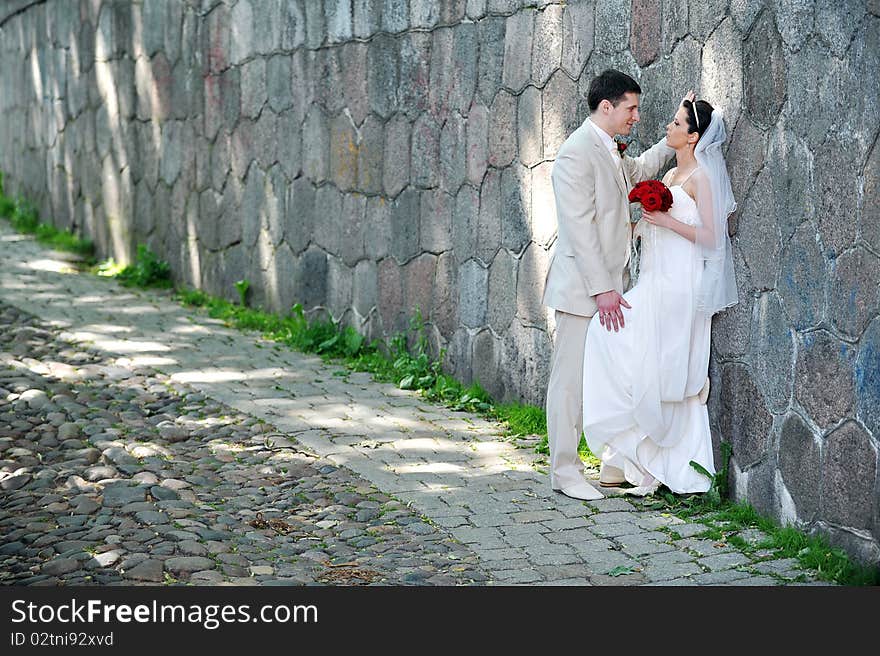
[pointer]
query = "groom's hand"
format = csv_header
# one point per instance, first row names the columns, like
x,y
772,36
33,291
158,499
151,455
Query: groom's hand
x,y
610,313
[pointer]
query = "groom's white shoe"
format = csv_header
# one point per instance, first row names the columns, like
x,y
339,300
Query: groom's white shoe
x,y
610,476
583,491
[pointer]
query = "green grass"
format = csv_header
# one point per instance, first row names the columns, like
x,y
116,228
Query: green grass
x,y
24,218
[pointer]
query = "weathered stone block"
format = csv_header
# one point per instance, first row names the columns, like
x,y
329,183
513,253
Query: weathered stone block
x,y
251,206
325,68
351,226
489,218
491,67
824,377
744,419
302,83
867,376
486,367
154,86
723,82
764,72
502,130
705,17
383,75
870,212
343,153
516,202
518,49
854,291
473,292
353,64
299,221
339,20
396,171
560,113
395,15
405,226
849,467
418,285
391,296
311,279
425,157
453,145
316,145
316,24
530,278
370,153
172,154
664,81
328,215
145,220
745,156
365,287
243,40
465,53
367,15
837,27
577,37
444,295
502,291
758,238
772,350
612,26
547,44
289,143
674,16
414,90
837,207
242,148
802,279
477,154
645,31
530,127
377,228
423,13
464,223
761,486
526,359
543,214
283,296
275,204
795,21
253,87
339,287
436,221
278,78
799,464
744,13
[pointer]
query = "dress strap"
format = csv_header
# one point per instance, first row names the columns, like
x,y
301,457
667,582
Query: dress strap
x,y
688,176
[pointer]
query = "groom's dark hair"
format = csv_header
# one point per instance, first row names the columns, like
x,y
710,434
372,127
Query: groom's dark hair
x,y
610,85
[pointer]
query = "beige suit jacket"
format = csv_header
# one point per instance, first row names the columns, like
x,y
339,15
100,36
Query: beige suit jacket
x,y
592,213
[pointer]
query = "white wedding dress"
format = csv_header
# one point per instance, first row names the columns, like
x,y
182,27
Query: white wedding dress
x,y
642,410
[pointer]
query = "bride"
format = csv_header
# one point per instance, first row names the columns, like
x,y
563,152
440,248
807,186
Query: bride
x,y
645,387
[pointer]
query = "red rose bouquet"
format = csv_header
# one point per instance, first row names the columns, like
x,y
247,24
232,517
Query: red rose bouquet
x,y
652,194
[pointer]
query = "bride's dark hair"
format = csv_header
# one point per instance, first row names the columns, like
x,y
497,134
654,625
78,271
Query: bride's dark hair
x,y
704,114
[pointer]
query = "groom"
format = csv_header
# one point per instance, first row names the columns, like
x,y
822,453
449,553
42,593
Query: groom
x,y
591,182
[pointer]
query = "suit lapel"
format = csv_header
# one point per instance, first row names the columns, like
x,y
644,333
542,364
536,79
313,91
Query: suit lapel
x,y
605,155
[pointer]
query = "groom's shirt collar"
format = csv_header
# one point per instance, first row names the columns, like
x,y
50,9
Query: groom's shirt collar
x,y
607,141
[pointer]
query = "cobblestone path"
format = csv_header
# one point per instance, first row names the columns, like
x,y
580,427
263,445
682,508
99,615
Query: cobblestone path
x,y
141,442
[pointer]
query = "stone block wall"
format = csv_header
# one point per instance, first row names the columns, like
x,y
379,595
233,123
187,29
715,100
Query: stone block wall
x,y
370,157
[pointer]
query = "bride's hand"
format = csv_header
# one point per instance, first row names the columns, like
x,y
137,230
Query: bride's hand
x,y
661,219
690,95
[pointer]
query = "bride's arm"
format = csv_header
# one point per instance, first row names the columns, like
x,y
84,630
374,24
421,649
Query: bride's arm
x,y
665,220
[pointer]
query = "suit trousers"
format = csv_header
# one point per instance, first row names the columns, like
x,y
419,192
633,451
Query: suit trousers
x,y
565,400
